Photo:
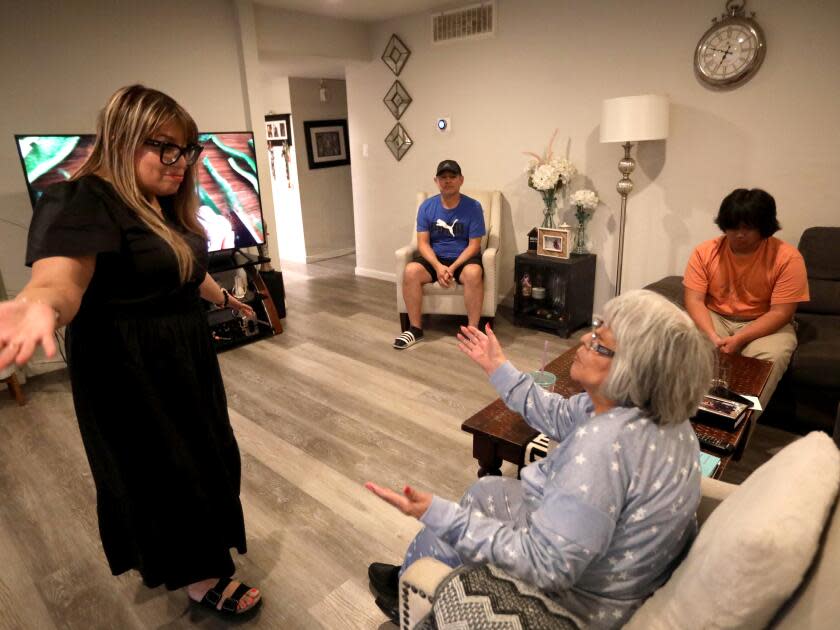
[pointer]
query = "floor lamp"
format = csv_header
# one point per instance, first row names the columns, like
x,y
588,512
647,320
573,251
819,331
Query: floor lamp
x,y
630,119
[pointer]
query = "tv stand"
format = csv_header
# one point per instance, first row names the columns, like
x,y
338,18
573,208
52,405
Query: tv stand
x,y
227,328
233,259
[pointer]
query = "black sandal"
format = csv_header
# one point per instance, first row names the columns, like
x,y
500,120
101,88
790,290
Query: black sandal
x,y
230,606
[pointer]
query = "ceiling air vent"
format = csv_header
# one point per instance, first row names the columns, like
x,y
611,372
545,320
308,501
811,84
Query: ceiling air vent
x,y
475,20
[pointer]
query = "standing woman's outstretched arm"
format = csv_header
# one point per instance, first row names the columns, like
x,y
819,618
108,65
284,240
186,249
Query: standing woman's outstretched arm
x,y
50,299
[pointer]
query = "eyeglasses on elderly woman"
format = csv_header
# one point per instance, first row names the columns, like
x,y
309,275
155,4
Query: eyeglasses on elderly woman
x,y
593,341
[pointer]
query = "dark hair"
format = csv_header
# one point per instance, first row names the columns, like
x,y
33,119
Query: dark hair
x,y
753,208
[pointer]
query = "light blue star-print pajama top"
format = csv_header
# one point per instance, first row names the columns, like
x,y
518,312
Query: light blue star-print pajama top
x,y
599,524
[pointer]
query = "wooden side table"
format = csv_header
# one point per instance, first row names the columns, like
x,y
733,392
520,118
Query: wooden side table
x,y
569,292
500,434
746,376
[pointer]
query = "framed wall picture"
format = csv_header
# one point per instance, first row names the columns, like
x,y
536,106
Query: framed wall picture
x,y
553,242
327,143
278,129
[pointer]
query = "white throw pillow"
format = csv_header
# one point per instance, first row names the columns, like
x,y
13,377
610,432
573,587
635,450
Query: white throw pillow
x,y
753,550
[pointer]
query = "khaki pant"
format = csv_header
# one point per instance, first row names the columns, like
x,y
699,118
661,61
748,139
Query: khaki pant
x,y
777,348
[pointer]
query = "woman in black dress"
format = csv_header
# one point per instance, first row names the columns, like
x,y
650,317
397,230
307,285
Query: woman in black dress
x,y
118,256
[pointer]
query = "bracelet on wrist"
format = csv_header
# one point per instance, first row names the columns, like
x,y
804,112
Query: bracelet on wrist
x,y
226,299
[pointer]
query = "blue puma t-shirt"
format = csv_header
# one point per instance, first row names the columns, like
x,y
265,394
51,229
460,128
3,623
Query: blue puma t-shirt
x,y
450,231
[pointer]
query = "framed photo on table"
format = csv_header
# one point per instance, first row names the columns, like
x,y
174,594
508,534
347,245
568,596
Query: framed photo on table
x,y
327,143
553,242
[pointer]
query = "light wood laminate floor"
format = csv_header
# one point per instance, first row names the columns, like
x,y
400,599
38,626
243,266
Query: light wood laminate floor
x,y
317,411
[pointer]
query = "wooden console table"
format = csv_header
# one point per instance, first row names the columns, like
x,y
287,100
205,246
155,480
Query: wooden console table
x,y
500,434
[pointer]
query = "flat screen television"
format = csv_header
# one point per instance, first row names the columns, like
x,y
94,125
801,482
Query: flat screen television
x,y
228,186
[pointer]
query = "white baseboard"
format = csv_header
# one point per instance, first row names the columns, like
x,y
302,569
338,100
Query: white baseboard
x,y
373,273
330,254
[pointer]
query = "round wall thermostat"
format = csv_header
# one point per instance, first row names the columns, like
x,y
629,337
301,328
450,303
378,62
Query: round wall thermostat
x,y
443,124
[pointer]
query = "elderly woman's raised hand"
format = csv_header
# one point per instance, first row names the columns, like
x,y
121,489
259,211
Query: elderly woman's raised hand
x,y
24,325
411,502
482,348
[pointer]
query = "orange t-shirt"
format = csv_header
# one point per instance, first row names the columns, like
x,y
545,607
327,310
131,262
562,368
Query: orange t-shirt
x,y
746,286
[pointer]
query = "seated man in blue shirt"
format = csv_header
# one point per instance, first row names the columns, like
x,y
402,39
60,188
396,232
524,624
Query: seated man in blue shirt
x,y
449,230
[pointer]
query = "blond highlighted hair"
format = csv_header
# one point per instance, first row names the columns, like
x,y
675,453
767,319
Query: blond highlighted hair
x,y
133,115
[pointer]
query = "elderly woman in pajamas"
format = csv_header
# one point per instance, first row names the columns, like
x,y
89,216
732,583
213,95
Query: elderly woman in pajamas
x,y
602,521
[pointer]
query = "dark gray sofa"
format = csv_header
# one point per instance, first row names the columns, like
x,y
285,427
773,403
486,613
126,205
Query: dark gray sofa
x,y
808,394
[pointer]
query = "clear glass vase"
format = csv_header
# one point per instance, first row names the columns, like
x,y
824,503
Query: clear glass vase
x,y
549,200
548,217
580,233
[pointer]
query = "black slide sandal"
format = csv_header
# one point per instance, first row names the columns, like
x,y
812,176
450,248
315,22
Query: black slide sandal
x,y
230,606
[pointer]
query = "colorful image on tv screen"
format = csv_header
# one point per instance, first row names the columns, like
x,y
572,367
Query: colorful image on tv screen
x,y
228,186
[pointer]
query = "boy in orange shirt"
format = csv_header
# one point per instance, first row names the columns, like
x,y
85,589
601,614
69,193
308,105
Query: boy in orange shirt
x,y
742,288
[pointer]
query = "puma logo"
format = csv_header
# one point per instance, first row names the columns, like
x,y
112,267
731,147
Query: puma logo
x,y
450,228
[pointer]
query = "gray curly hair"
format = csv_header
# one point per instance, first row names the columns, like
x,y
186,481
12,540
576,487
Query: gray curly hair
x,y
663,364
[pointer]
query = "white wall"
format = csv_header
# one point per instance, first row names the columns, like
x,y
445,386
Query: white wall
x,y
550,66
285,191
283,33
317,223
326,197
62,60
276,96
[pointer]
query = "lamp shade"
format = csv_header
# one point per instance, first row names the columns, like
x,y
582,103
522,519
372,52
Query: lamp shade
x,y
634,118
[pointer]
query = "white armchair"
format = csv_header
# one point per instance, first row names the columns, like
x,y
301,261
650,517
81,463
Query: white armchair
x,y
450,301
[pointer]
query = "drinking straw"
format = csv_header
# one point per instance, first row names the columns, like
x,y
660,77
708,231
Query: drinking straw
x,y
545,355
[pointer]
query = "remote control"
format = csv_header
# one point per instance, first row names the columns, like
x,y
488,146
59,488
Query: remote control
x,y
715,443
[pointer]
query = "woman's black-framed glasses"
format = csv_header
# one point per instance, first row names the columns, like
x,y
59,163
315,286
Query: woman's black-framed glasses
x,y
171,153
593,343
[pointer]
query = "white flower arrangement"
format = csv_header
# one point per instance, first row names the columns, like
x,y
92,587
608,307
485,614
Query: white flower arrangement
x,y
553,174
584,199
548,175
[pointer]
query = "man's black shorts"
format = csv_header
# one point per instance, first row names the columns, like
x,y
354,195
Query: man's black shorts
x,y
475,260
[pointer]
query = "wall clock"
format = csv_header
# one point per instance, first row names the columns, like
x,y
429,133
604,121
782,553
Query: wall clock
x,y
731,51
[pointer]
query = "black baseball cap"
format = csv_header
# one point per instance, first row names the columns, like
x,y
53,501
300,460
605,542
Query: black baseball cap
x,y
448,165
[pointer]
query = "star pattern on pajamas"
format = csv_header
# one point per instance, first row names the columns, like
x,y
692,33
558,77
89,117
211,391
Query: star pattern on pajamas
x,y
598,522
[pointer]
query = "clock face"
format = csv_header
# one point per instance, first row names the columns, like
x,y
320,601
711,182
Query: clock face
x,y
729,52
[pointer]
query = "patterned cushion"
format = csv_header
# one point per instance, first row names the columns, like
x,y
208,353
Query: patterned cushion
x,y
537,448
485,598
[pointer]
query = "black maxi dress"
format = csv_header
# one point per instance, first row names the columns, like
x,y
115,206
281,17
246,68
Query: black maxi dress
x,y
147,389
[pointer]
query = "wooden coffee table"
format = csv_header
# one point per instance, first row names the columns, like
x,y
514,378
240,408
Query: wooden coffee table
x,y
500,434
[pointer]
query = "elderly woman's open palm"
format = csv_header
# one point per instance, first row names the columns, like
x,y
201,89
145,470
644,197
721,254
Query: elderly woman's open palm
x,y
482,348
23,326
411,502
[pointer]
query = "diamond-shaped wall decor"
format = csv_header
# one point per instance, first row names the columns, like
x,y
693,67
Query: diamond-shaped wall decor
x,y
397,100
395,55
398,141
